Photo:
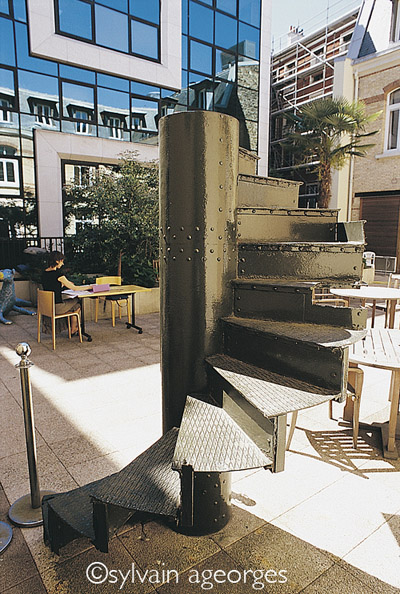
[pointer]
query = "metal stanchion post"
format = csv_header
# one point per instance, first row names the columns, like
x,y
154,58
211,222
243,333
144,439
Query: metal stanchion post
x,y
27,511
5,536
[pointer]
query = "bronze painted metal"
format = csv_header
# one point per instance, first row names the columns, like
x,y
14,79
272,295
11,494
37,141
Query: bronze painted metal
x,y
198,192
26,511
243,341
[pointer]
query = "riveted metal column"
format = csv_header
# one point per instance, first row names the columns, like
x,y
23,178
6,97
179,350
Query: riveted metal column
x,y
198,191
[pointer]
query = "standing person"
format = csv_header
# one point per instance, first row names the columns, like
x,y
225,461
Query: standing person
x,y
54,280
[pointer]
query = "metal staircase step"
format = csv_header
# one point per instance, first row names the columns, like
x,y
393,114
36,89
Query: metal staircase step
x,y
291,301
210,441
254,190
270,393
305,260
255,224
315,353
98,509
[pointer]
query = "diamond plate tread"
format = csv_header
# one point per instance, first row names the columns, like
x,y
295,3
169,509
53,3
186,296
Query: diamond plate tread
x,y
148,483
270,393
318,334
210,441
75,509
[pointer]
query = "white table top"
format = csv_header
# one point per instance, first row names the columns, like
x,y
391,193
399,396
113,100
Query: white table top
x,y
380,348
368,292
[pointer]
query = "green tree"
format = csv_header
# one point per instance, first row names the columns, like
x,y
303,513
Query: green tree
x,y
120,209
329,131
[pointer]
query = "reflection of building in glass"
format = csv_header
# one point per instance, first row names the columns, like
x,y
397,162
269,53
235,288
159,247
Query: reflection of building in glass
x,y
97,81
302,72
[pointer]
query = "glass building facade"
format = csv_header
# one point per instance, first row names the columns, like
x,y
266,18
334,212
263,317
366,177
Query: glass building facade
x,y
219,71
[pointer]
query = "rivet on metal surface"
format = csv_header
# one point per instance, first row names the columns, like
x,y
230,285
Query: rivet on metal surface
x,y
211,228
174,257
243,259
211,251
221,187
189,259
239,222
189,237
218,259
239,235
221,163
219,236
174,237
220,209
182,228
242,271
168,228
197,229
181,250
197,250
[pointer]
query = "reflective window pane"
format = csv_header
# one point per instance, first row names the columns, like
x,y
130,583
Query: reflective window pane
x,y
185,17
144,114
20,10
78,101
395,97
224,95
145,90
200,57
144,40
6,42
200,93
225,31
24,60
113,106
121,5
7,87
75,18
113,82
225,65
79,74
184,51
249,11
248,74
33,87
148,10
201,22
249,41
4,7
111,29
227,6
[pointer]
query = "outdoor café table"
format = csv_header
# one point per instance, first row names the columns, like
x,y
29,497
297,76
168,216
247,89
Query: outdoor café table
x,y
114,290
381,349
374,294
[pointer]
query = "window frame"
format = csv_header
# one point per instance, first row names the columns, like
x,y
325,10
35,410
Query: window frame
x,y
390,109
7,160
130,18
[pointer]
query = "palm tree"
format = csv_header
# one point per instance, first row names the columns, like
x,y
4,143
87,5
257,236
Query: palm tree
x,y
329,131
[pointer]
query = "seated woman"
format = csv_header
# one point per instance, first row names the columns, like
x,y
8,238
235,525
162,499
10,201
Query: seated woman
x,y
54,280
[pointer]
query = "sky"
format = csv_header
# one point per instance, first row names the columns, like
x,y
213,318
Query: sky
x,y
310,15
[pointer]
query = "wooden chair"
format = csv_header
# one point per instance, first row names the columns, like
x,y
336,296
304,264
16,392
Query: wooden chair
x,y
351,411
120,300
324,297
46,306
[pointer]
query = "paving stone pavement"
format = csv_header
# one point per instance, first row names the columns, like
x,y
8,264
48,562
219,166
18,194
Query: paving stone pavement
x,y
329,523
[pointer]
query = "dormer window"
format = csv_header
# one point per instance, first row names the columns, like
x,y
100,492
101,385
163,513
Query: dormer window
x,y
84,117
5,113
44,111
138,121
115,122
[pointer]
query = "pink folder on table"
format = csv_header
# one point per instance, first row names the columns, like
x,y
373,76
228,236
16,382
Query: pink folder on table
x,y
100,288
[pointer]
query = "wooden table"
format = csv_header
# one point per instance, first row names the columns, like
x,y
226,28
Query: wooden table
x,y
374,294
381,349
114,290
